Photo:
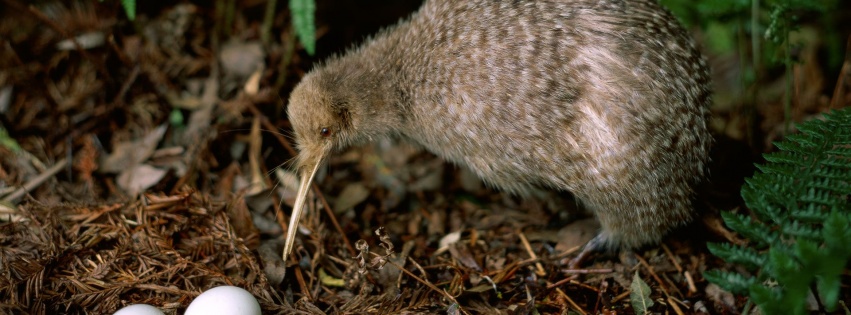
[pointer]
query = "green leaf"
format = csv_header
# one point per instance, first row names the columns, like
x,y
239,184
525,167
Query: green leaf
x,y
303,15
730,281
748,257
772,301
828,288
832,264
757,232
8,142
175,118
129,8
639,295
836,232
801,214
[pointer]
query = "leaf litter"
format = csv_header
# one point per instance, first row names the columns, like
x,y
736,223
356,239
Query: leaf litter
x,y
110,197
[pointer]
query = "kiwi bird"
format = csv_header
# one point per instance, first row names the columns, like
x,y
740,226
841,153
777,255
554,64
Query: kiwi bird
x,y
606,99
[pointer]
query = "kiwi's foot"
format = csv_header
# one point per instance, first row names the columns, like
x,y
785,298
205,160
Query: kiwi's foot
x,y
600,245
597,244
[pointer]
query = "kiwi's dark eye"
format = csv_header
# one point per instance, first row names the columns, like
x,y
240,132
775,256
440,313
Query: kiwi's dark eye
x,y
325,132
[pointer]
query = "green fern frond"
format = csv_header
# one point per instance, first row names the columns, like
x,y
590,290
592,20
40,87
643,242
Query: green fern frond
x,y
797,230
303,14
759,234
129,8
748,257
846,150
730,281
770,300
836,232
801,214
812,213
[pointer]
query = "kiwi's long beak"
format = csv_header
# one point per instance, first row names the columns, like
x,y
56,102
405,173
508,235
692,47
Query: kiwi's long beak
x,y
303,187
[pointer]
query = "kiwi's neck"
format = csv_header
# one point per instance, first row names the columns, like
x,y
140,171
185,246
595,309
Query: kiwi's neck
x,y
370,91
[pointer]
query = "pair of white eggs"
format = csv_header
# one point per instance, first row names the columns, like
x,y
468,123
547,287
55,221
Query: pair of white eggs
x,y
224,300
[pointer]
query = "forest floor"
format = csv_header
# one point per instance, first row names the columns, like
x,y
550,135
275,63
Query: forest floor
x,y
146,162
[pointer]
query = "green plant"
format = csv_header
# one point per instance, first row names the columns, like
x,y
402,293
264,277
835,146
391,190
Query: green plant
x,y
303,15
783,21
764,21
129,8
799,232
758,31
8,142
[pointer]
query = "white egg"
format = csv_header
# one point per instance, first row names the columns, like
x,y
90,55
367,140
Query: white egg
x,y
224,300
139,309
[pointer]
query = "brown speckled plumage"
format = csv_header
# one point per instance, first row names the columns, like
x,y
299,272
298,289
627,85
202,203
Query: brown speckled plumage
x,y
606,99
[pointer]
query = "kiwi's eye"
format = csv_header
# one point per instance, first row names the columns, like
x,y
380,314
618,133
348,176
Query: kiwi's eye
x,y
325,132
